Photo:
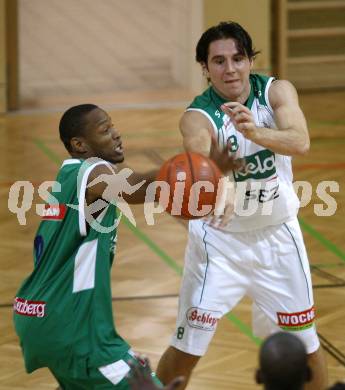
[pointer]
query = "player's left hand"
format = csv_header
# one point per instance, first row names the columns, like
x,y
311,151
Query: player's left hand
x,y
220,221
140,377
242,118
225,205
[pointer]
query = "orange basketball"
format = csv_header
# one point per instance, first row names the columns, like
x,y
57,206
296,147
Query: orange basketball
x,y
192,184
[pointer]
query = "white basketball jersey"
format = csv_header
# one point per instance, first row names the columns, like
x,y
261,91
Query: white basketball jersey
x,y
264,192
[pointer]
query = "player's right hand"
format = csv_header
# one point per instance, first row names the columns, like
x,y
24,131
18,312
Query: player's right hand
x,y
223,157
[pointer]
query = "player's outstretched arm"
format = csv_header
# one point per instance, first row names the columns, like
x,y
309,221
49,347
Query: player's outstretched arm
x,y
291,136
112,182
146,179
198,136
196,131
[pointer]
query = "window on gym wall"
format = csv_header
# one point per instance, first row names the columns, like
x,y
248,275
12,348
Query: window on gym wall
x,y
107,51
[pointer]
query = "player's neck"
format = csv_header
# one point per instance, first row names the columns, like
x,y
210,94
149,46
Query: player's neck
x,y
80,156
242,98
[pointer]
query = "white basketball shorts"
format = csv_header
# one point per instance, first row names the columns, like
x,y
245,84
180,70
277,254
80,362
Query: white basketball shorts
x,y
270,265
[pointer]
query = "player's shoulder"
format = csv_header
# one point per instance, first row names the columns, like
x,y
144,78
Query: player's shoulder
x,y
68,171
281,92
260,85
194,120
260,80
202,101
284,85
99,169
204,111
90,168
70,164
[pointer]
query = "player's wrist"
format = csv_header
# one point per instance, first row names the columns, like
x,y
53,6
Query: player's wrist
x,y
255,135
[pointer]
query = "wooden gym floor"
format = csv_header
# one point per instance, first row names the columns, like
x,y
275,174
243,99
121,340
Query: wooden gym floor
x,y
149,259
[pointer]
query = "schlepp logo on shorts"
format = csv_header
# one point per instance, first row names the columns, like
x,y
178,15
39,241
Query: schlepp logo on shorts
x,y
203,319
296,321
55,212
29,308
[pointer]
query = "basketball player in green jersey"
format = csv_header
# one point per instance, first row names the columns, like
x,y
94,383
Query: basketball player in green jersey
x,y
63,311
257,247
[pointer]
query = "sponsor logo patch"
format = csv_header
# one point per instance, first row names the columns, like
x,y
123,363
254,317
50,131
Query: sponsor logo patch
x,y
54,212
260,165
203,319
29,308
296,321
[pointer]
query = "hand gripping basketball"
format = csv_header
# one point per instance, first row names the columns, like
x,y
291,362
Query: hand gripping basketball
x,y
224,157
193,183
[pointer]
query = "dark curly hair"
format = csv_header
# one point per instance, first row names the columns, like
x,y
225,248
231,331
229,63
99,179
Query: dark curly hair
x,y
225,30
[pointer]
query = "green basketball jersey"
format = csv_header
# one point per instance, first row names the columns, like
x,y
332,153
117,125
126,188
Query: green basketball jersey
x,y
265,194
63,311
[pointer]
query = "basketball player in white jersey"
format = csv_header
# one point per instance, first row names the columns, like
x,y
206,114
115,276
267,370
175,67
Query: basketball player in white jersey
x,y
257,249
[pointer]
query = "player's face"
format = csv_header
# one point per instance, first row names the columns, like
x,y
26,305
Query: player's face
x,y
228,70
102,138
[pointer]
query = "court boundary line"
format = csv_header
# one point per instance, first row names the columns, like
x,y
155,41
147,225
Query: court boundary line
x,y
332,350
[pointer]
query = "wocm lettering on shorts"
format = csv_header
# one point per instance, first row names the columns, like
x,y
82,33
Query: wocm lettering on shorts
x,y
296,321
29,308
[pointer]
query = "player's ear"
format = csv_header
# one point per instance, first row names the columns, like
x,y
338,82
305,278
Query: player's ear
x,y
79,145
251,62
258,377
205,69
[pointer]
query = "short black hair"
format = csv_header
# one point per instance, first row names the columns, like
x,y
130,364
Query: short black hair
x,y
283,362
72,123
225,30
